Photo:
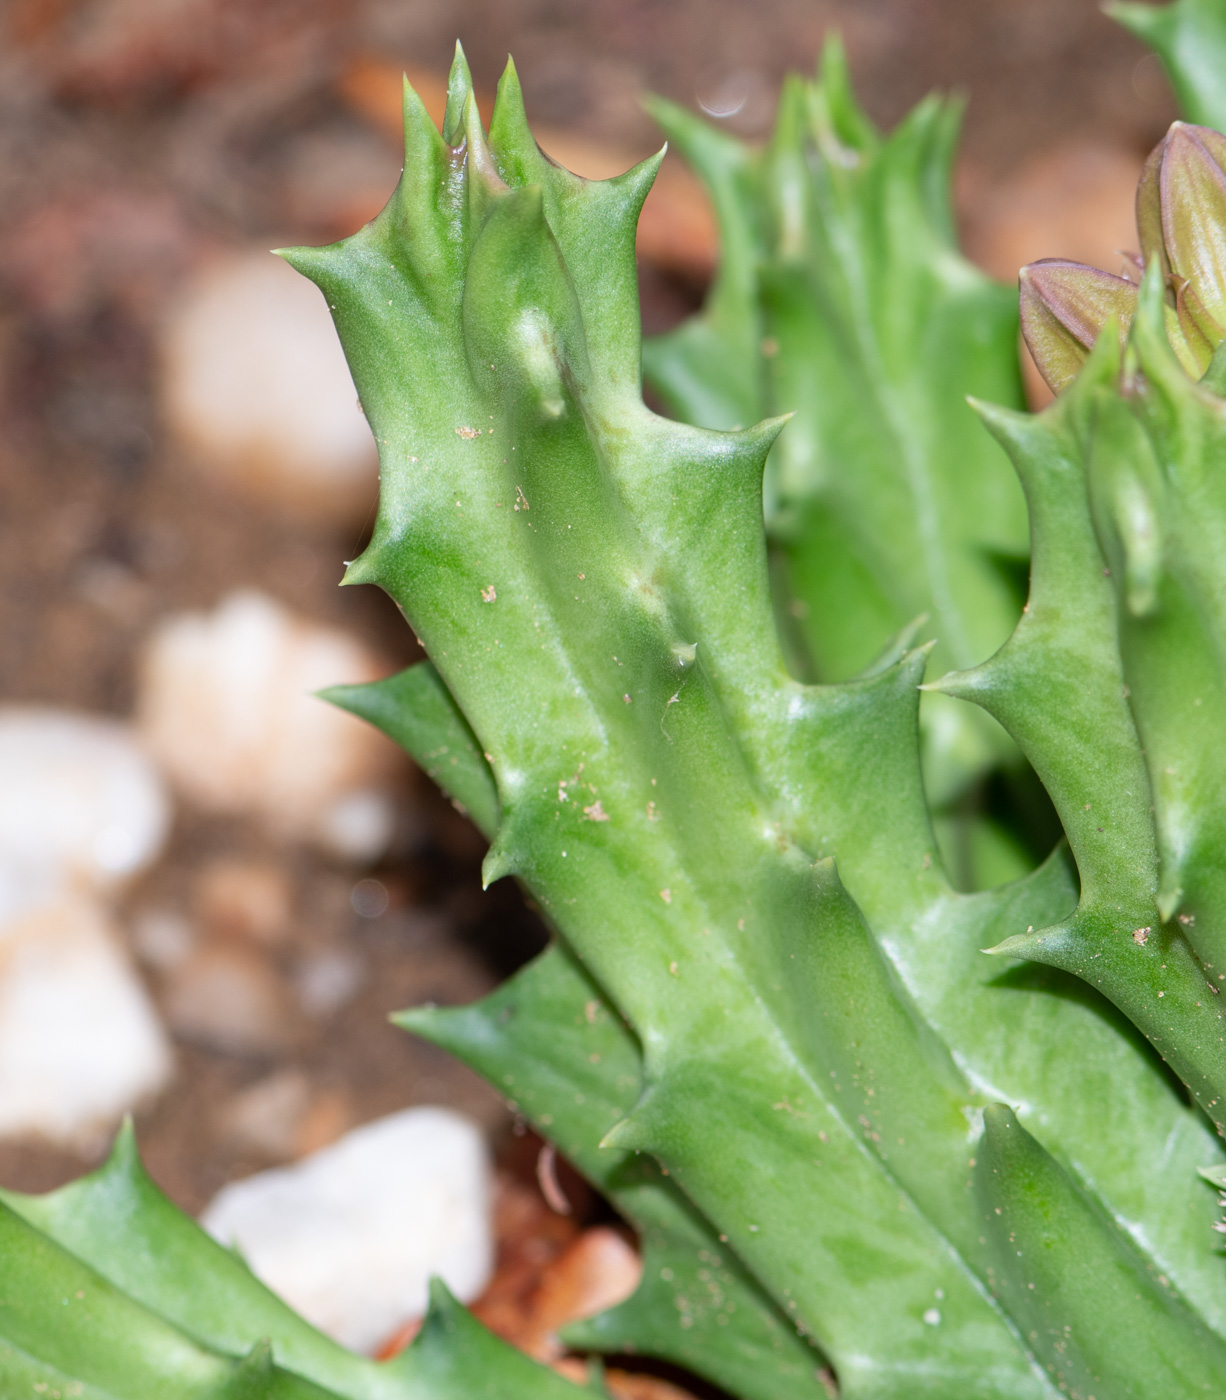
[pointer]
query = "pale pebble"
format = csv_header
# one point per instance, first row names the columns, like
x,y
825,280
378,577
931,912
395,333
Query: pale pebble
x,y
163,938
329,979
83,806
80,1041
250,900
255,385
351,1236
227,706
227,998
284,1115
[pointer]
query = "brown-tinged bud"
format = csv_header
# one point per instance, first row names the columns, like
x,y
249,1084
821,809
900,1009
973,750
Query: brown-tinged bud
x,y
1197,333
1192,194
1149,211
1181,222
1064,307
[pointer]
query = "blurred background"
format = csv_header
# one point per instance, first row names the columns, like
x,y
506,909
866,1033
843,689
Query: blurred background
x,y
213,890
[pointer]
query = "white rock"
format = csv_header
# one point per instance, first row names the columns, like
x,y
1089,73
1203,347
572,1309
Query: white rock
x,y
285,1115
228,998
250,900
329,979
163,939
267,1116
358,826
351,1235
226,705
83,806
255,384
80,1042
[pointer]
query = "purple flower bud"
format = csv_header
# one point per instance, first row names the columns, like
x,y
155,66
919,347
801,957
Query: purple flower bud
x,y
1192,202
1065,306
1181,222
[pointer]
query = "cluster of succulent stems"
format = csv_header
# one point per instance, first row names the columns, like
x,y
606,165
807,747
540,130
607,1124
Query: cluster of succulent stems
x,y
856,1151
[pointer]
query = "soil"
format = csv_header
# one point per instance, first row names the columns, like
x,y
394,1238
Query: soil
x,y
135,138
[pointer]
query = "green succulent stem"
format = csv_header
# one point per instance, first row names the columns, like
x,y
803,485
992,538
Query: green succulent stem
x,y
674,799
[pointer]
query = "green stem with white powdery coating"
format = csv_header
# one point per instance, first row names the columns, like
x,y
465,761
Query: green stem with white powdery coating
x,y
591,584
1113,685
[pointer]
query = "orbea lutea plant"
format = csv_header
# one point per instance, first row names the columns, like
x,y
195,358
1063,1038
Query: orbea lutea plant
x,y
859,1153
841,297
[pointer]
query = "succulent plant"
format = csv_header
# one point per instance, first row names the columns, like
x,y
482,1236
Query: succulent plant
x,y
859,1153
842,296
